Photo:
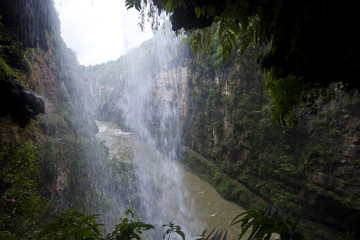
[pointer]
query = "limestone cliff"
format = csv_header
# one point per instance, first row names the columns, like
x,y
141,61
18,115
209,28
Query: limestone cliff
x,y
37,112
171,86
226,117
42,92
313,166
44,88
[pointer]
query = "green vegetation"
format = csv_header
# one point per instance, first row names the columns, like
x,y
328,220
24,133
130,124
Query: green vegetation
x,y
60,172
74,224
22,207
300,64
215,176
172,228
261,222
229,122
70,225
264,222
12,61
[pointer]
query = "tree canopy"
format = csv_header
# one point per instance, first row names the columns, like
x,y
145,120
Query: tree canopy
x,y
313,43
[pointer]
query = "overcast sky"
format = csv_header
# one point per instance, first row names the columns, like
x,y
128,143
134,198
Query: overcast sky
x,y
99,30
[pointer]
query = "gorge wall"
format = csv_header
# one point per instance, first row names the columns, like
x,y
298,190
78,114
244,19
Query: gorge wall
x,y
228,138
49,155
311,167
223,112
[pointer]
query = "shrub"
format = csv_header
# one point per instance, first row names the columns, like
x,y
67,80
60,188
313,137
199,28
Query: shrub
x,y
21,205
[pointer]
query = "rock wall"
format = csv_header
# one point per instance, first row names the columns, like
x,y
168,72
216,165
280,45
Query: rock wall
x,y
313,166
171,87
225,116
73,166
42,87
32,21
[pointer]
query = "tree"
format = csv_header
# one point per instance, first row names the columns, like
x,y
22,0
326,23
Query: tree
x,y
313,43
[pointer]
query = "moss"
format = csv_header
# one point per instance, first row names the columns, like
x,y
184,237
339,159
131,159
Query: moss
x,y
12,60
7,70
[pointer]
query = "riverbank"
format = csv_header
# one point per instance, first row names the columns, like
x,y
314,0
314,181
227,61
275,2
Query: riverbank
x,y
236,192
229,188
201,205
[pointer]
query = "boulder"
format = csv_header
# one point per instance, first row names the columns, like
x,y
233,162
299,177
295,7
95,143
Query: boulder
x,y
21,104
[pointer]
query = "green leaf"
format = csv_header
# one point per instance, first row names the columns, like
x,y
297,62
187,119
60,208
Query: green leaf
x,y
181,233
168,6
197,11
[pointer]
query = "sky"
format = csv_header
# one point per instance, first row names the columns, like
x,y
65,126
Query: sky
x,y
99,30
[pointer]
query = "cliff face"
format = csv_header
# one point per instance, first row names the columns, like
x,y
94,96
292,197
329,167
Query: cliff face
x,y
32,21
53,153
29,88
46,125
171,87
155,73
312,166
50,78
226,117
15,98
22,94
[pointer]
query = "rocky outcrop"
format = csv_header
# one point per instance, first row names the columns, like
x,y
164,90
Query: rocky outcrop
x,y
37,73
21,104
35,61
32,21
171,87
23,24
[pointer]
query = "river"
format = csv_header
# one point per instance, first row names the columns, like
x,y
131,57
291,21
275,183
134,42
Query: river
x,y
204,208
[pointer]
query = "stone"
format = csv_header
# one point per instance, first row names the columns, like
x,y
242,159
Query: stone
x,y
21,104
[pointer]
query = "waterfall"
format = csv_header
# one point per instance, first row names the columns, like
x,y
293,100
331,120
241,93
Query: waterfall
x,y
149,108
82,176
78,172
145,96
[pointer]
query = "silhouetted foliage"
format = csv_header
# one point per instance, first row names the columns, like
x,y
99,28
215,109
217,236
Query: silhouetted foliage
x,y
263,222
308,48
